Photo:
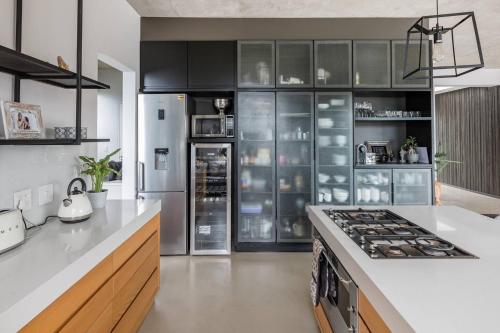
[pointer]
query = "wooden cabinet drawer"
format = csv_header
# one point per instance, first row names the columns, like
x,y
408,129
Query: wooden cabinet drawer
x,y
91,311
64,308
126,295
362,326
105,321
369,315
136,313
321,318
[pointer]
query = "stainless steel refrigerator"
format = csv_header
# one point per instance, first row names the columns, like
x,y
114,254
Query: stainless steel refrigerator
x,y
162,164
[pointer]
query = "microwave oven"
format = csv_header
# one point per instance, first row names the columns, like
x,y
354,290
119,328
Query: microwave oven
x,y
212,126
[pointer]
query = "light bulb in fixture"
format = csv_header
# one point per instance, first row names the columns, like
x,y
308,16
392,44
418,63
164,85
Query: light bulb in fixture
x,y
438,53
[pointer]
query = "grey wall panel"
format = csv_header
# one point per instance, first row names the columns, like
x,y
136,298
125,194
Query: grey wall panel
x,y
273,28
468,129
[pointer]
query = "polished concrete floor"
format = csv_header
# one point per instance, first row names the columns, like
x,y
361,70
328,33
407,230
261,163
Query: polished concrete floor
x,y
242,293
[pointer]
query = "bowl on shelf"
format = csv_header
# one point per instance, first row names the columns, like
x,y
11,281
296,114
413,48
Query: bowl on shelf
x,y
323,106
339,159
323,178
340,194
340,140
325,123
324,140
340,178
337,102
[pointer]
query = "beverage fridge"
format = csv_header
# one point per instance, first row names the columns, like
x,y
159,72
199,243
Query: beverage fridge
x,y
162,164
211,198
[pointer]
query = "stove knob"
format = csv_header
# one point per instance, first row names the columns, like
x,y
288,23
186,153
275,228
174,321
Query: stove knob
x,y
373,248
351,230
344,227
362,240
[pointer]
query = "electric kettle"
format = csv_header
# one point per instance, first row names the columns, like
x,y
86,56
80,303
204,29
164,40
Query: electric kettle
x,y
76,207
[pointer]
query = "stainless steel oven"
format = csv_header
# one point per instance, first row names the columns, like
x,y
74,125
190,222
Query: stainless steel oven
x,y
208,126
339,293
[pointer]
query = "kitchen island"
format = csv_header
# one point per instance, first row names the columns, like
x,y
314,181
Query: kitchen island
x,y
446,295
92,275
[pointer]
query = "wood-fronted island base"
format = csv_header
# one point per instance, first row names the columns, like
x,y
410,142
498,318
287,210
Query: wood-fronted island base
x,y
115,296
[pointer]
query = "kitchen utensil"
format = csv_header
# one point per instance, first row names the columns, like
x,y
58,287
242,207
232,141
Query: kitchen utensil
x,y
12,229
76,207
323,106
340,178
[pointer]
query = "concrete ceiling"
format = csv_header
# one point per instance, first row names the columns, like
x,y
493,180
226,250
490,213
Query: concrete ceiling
x,y
487,12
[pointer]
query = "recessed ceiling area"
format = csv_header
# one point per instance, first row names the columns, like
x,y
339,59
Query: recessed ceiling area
x,y
486,11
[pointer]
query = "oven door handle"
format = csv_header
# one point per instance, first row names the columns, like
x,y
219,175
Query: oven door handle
x,y
346,282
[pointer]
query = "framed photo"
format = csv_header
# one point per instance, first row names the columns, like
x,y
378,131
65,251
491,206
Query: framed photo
x,y
380,148
22,121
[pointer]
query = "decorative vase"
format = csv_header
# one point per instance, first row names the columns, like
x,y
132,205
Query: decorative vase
x,y
98,199
413,158
437,192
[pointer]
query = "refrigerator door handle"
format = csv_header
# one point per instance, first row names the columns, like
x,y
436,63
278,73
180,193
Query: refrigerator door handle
x,y
140,166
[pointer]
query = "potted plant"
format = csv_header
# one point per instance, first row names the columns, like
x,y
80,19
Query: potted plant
x,y
410,146
98,171
441,163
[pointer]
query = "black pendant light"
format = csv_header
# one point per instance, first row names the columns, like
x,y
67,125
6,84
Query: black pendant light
x,y
456,49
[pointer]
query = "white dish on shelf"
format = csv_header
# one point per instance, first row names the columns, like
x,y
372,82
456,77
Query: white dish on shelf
x,y
323,106
325,122
337,102
323,178
339,159
340,140
324,140
340,178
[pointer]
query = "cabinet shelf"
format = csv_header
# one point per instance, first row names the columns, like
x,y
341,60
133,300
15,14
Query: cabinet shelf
x,y
393,118
30,68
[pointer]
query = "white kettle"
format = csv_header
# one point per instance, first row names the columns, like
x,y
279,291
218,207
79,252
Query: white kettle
x,y
76,207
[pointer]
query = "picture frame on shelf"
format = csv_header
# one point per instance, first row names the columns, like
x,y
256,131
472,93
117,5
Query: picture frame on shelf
x,y
380,148
21,120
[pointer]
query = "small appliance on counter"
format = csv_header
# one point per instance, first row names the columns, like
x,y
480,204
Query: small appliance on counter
x,y
12,232
76,207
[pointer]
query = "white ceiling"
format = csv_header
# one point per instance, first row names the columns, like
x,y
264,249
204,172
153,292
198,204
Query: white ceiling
x,y
487,12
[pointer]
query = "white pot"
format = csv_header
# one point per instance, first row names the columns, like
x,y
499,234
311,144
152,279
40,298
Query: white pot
x,y
98,199
412,158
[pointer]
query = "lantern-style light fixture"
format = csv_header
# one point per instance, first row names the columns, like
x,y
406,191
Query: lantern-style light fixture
x,y
456,49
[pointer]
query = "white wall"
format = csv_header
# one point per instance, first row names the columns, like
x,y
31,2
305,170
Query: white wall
x,y
109,112
110,28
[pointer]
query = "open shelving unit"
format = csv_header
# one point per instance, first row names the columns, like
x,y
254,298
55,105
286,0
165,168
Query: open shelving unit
x,y
25,67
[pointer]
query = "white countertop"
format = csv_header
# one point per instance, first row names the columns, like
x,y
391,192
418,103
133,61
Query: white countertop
x,y
428,295
58,255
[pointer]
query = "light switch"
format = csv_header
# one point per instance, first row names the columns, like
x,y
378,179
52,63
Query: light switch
x,y
22,199
45,194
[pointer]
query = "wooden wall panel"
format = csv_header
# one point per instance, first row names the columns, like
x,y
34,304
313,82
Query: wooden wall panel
x,y
468,129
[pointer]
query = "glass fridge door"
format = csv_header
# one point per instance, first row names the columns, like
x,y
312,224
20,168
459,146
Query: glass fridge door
x,y
256,119
210,199
334,149
295,158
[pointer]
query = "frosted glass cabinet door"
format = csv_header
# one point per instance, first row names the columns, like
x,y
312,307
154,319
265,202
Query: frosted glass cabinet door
x,y
333,65
295,159
334,148
412,186
294,64
398,62
256,192
256,64
373,187
372,64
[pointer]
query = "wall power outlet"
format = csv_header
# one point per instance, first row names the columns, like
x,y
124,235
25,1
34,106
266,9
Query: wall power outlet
x,y
22,199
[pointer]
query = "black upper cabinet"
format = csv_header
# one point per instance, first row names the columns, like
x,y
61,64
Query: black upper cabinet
x,y
211,64
163,65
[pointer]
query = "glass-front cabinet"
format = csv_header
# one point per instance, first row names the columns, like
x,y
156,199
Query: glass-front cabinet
x,y
333,64
256,64
416,55
373,187
256,119
294,63
295,160
372,63
211,199
334,147
412,186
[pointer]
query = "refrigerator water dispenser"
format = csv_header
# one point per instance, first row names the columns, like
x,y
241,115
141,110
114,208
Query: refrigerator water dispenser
x,y
161,158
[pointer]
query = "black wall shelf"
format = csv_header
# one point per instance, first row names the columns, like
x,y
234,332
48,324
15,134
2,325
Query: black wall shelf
x,y
25,67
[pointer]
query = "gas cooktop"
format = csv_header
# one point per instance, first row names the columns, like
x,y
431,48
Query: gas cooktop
x,y
383,234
